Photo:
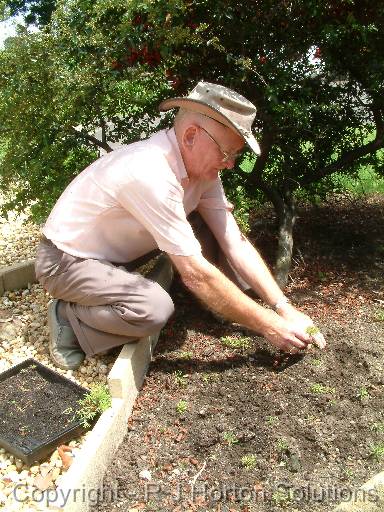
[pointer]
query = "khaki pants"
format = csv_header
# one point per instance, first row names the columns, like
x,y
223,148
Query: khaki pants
x,y
108,305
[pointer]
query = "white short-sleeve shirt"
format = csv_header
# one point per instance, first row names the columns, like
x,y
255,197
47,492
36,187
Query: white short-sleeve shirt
x,y
131,201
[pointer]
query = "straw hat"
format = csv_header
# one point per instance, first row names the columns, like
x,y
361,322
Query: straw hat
x,y
222,104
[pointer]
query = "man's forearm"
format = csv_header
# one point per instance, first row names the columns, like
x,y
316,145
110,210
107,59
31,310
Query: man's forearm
x,y
224,297
251,267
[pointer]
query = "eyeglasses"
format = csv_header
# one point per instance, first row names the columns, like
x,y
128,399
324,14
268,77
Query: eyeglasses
x,y
227,156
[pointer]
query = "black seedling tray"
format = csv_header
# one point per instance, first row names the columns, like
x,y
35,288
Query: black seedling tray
x,y
37,410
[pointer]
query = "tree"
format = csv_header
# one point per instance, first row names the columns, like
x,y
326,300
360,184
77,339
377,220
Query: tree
x,y
35,12
108,65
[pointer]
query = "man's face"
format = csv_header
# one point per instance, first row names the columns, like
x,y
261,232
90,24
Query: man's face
x,y
215,148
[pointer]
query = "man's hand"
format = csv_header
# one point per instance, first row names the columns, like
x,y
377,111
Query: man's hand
x,y
303,323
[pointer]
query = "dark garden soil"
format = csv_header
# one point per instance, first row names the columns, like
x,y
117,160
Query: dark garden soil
x,y
37,407
246,429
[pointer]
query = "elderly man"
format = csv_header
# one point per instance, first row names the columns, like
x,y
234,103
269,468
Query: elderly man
x,y
137,199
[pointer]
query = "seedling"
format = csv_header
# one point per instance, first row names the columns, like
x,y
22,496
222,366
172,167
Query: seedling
x,y
96,401
209,377
379,315
377,451
312,330
181,407
230,438
242,342
320,389
282,445
272,420
249,461
180,378
378,427
322,276
185,355
316,362
348,473
363,394
282,497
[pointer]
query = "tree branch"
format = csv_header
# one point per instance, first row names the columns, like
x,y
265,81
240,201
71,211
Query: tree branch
x,y
90,138
352,155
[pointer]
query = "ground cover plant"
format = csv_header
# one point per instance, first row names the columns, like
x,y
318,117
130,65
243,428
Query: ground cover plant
x,y
233,426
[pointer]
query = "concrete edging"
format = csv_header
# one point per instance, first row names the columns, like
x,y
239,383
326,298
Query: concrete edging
x,y
367,498
17,276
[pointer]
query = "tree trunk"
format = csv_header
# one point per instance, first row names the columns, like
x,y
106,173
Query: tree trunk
x,y
286,214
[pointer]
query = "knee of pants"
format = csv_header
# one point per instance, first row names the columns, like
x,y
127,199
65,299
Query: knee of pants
x,y
160,307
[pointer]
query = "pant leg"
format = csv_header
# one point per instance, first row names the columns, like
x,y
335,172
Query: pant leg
x,y
107,306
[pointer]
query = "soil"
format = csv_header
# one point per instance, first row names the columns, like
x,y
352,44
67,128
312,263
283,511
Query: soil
x,y
37,407
249,429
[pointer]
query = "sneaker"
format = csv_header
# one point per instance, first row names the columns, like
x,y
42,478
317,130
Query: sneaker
x,y
63,345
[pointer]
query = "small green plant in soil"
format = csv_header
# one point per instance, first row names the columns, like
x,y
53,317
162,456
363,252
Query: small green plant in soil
x,y
316,362
362,393
96,401
242,342
230,438
312,330
323,276
272,420
379,315
185,355
282,445
181,407
249,461
180,378
210,377
377,451
348,473
378,427
282,498
321,389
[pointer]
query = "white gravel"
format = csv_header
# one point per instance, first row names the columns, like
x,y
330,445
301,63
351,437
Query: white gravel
x,y
24,334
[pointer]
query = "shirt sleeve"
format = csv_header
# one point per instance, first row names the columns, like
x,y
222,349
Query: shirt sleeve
x,y
155,198
214,198
216,211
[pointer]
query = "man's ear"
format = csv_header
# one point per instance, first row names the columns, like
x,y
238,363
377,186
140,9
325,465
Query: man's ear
x,y
189,137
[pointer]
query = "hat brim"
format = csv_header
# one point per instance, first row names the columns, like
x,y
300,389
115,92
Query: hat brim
x,y
209,111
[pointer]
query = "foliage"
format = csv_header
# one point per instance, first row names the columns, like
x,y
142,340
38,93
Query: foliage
x,y
95,402
312,330
249,461
230,438
35,12
363,393
181,407
377,451
314,69
321,389
180,379
242,342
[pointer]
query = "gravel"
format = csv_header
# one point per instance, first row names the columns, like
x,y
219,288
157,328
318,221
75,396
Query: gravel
x,y
24,334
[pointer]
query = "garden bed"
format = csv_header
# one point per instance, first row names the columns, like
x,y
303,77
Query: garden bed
x,y
226,423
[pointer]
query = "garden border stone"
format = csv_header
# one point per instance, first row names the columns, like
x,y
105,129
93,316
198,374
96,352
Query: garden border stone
x,y
373,487
17,276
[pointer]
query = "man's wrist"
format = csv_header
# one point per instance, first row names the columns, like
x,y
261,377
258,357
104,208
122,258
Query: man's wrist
x,y
279,305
